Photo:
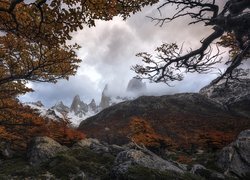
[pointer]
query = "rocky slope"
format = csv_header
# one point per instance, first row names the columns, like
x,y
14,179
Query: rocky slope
x,y
92,159
234,159
188,119
233,95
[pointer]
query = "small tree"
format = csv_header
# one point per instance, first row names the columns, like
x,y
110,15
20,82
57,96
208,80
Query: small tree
x,y
143,133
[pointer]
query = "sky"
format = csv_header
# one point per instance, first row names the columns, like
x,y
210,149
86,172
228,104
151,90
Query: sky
x,y
108,53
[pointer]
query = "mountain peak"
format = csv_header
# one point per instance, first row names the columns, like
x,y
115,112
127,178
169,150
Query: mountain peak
x,y
136,86
105,99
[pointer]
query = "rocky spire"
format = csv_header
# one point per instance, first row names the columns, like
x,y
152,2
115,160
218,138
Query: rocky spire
x,y
105,100
136,86
92,105
60,107
78,106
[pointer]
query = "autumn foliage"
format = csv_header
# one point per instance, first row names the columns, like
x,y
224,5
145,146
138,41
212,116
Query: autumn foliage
x,y
34,40
214,140
23,123
142,133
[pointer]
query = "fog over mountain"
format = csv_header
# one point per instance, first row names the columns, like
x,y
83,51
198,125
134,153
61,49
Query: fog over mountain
x,y
108,52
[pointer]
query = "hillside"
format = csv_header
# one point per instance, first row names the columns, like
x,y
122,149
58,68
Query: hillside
x,y
188,119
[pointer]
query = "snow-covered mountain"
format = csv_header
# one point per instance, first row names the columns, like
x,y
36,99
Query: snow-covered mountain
x,y
79,110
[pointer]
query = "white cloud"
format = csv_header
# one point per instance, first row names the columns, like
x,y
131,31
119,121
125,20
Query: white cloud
x,y
108,51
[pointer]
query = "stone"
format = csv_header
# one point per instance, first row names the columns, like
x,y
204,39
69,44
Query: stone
x,y
233,95
234,159
5,149
41,149
131,157
92,144
200,170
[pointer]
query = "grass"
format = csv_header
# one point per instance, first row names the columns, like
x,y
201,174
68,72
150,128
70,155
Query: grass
x,y
77,160
140,172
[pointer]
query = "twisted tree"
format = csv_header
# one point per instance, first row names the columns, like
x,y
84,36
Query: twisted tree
x,y
34,39
230,24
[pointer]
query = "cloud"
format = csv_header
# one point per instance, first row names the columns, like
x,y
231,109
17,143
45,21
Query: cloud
x,y
64,90
108,52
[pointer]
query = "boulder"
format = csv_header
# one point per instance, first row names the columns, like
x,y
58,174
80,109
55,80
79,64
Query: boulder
x,y
99,147
40,149
131,157
80,175
92,144
234,159
5,149
200,170
233,95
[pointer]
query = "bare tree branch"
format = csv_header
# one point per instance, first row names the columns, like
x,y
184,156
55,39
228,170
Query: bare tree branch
x,y
169,65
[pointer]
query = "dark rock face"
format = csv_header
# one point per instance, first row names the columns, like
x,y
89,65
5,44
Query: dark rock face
x,y
78,106
234,95
60,107
41,149
136,86
174,116
5,149
105,99
92,105
38,103
206,173
234,159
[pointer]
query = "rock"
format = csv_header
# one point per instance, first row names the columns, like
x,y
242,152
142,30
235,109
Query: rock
x,y
169,115
39,104
92,144
136,86
40,149
234,159
115,149
5,149
131,157
79,176
78,106
60,107
235,95
105,100
92,106
48,176
98,147
206,173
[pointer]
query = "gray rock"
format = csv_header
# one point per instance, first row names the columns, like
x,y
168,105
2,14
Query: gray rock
x,y
234,159
115,149
78,106
79,176
40,149
105,100
234,95
5,149
92,144
60,107
92,106
132,157
206,173
136,86
47,176
99,147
